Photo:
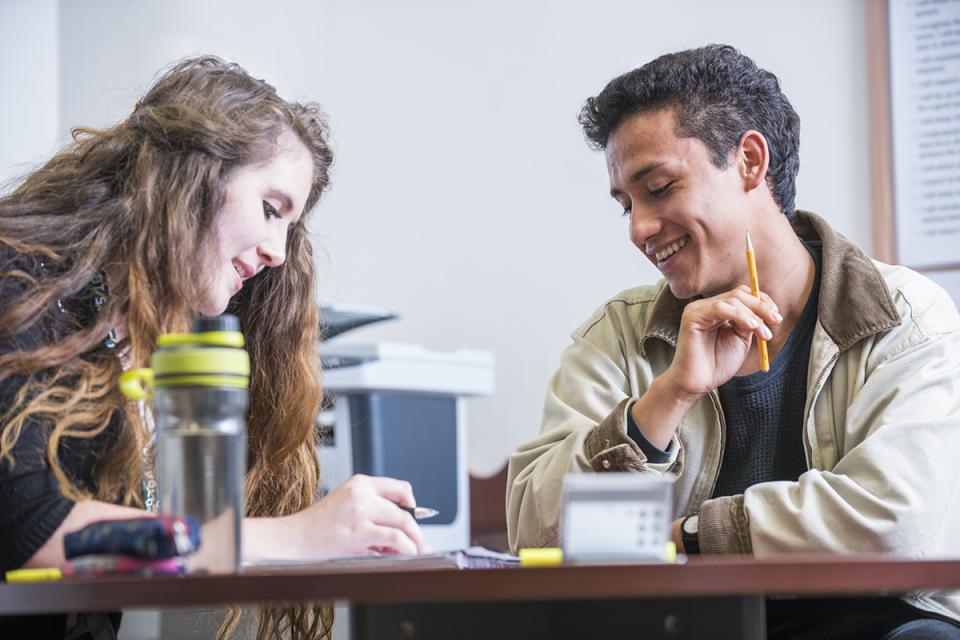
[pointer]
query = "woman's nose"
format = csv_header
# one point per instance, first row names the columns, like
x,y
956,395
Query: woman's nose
x,y
273,251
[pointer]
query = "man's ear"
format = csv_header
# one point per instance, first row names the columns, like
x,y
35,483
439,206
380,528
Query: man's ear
x,y
753,159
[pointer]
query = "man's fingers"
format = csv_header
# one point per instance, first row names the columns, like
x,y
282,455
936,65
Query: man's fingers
x,y
744,318
765,308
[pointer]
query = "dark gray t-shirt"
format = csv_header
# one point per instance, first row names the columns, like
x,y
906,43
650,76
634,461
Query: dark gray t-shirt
x,y
764,411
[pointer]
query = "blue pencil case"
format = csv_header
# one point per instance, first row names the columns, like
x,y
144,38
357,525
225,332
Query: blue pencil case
x,y
150,538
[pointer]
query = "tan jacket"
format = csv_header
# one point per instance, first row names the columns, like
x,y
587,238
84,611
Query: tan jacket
x,y
881,423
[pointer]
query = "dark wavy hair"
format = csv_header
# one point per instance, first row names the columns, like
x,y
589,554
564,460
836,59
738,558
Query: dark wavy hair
x,y
717,94
137,200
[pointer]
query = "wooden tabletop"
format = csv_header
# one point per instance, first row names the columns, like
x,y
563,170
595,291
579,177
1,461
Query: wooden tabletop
x,y
794,574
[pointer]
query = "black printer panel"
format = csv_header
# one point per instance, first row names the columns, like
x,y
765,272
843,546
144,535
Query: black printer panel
x,y
412,437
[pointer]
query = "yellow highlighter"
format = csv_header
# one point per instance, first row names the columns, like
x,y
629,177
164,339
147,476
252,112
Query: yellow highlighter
x,y
541,557
45,574
553,556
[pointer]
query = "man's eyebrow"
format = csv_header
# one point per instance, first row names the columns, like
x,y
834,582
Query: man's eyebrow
x,y
614,192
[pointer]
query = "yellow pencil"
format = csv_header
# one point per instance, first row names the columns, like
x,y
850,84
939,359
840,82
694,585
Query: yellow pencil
x,y
755,289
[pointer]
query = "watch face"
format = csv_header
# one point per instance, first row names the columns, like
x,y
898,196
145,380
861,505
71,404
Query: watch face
x,y
691,525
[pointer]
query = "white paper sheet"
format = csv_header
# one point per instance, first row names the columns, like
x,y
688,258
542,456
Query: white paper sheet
x,y
925,109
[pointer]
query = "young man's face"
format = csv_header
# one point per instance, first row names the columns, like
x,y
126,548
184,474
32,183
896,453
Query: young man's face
x,y
686,215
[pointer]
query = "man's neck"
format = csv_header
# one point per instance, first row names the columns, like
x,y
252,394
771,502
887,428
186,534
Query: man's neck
x,y
786,272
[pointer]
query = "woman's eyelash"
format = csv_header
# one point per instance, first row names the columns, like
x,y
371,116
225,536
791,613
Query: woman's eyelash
x,y
626,211
269,210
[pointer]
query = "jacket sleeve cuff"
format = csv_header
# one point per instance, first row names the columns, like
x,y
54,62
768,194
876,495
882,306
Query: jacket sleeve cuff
x,y
724,527
609,448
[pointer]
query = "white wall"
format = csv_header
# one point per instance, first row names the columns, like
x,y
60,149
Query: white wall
x,y
464,196
28,71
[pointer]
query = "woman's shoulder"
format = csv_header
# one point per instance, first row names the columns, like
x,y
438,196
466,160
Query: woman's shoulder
x,y
19,274
29,315
17,271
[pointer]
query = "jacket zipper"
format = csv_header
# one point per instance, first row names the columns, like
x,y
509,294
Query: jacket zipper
x,y
813,397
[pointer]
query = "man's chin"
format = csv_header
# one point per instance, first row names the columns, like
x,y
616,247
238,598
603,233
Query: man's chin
x,y
682,291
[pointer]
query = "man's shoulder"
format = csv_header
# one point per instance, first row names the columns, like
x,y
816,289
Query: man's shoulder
x,y
629,308
919,299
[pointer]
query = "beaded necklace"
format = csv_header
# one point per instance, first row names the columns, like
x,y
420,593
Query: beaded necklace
x,y
98,293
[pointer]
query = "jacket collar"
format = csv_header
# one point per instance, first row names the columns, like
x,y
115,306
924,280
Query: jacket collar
x,y
854,299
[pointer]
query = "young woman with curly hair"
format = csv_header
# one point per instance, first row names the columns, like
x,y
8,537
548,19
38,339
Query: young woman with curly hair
x,y
196,203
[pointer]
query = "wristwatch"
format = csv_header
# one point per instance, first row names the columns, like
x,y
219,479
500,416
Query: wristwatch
x,y
690,534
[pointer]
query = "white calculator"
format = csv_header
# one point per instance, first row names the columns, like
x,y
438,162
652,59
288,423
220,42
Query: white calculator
x,y
616,516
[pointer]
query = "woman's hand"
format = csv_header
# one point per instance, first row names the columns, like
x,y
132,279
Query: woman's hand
x,y
359,517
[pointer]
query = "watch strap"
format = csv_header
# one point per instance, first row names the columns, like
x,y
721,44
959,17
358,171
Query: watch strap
x,y
691,541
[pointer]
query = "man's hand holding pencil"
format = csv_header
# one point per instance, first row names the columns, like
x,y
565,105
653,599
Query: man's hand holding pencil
x,y
717,336
714,342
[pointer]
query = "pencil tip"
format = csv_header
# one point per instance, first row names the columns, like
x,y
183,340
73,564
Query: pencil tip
x,y
749,244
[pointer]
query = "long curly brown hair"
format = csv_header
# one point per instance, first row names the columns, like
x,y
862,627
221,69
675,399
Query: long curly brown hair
x,y
136,201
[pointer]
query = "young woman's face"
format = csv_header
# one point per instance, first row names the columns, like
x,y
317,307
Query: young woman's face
x,y
261,203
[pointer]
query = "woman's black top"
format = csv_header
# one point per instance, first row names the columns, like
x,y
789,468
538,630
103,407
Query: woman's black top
x,y
32,506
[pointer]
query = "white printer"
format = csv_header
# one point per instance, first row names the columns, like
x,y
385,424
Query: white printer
x,y
399,410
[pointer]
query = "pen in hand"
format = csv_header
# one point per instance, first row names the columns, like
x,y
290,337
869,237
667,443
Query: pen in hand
x,y
420,513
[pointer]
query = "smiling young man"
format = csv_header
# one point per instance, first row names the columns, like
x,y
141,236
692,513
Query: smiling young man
x,y
845,445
